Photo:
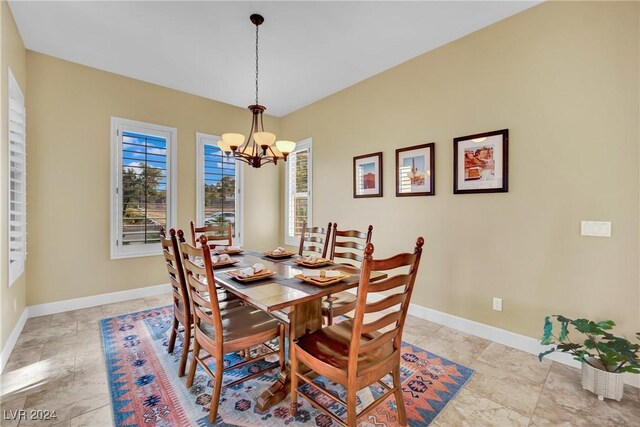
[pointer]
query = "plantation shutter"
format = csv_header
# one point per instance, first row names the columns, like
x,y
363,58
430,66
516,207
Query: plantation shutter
x,y
17,181
298,191
220,188
144,188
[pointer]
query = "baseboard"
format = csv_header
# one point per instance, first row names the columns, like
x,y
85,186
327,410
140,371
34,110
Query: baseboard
x,y
95,300
501,336
13,338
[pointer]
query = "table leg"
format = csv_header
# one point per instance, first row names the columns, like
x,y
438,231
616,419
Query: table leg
x,y
303,318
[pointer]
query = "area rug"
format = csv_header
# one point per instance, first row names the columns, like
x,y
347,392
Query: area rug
x,y
146,390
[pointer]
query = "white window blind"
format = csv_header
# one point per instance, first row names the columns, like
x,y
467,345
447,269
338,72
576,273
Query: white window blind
x,y
142,168
219,180
17,181
298,190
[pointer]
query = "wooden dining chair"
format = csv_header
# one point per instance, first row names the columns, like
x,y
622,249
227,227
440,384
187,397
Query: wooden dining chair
x,y
354,243
180,294
226,300
182,318
315,240
218,332
217,235
360,352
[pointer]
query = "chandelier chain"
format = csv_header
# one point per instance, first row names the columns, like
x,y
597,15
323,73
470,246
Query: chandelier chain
x,y
257,64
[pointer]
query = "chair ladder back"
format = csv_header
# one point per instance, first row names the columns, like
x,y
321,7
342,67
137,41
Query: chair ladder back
x,y
359,246
220,235
173,262
397,303
201,281
311,235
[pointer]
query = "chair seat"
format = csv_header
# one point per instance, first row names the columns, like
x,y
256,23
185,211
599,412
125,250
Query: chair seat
x,y
331,346
242,322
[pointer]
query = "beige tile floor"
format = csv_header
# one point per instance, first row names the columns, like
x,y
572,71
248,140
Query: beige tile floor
x,y
58,365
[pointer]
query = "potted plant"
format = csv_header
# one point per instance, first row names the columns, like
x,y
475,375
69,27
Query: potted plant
x,y
604,356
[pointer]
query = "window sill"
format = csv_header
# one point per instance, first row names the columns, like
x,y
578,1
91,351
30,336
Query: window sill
x,y
136,254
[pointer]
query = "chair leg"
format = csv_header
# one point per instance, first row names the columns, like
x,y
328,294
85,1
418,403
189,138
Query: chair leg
x,y
186,343
215,393
402,415
351,406
293,407
174,332
330,317
194,362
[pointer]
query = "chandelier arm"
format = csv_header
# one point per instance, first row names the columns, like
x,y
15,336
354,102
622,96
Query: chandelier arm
x,y
273,153
267,159
254,128
242,159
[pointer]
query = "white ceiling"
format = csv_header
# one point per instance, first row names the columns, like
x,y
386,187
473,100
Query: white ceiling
x,y
308,50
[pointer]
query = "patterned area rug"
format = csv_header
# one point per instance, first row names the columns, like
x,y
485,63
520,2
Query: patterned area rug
x,y
146,390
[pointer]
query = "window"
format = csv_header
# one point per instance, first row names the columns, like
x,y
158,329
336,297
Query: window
x,y
298,186
219,179
17,240
143,186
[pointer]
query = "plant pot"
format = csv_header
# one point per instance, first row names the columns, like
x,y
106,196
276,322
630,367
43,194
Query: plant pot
x,y
609,385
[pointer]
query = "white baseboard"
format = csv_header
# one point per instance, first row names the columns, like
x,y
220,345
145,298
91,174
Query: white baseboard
x,y
13,338
95,300
501,336
74,304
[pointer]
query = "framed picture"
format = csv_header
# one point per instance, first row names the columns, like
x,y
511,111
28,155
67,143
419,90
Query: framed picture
x,y
367,175
481,163
415,170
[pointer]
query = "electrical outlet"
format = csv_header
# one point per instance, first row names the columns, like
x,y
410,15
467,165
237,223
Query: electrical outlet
x,y
497,304
595,228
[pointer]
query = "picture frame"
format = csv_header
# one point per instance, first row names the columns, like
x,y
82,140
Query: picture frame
x,y
415,170
481,163
367,175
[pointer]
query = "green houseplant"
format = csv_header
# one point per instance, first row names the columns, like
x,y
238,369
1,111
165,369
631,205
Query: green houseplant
x,y
604,356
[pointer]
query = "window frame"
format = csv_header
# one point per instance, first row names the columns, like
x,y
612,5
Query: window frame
x,y
118,126
203,139
300,146
16,269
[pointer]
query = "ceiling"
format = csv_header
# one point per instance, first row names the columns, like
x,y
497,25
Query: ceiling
x,y
308,50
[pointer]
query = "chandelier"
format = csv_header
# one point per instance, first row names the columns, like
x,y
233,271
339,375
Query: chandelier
x,y
260,147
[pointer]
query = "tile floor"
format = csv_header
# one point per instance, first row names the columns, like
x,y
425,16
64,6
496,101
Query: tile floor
x,y
58,365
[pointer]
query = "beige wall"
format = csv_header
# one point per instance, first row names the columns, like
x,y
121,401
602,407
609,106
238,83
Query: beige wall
x,y
69,117
13,55
563,77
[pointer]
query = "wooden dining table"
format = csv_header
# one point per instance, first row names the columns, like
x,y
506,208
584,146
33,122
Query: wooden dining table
x,y
295,302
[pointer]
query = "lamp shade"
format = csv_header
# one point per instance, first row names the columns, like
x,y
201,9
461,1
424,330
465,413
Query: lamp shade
x,y
224,146
264,139
286,146
233,140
